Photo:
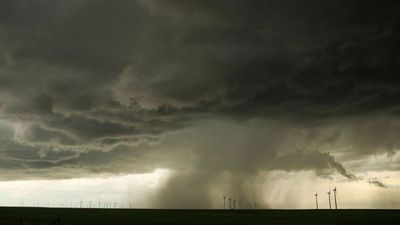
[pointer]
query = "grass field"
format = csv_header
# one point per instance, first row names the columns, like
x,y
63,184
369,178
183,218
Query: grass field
x,y
47,216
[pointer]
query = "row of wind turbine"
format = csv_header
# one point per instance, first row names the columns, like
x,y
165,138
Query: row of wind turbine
x,y
329,198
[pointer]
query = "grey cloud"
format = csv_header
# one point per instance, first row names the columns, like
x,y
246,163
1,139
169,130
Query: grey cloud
x,y
121,159
24,155
274,78
377,182
260,73
6,132
37,133
311,160
84,127
269,73
194,149
68,34
18,157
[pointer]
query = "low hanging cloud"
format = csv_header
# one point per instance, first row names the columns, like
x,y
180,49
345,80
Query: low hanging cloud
x,y
377,182
313,160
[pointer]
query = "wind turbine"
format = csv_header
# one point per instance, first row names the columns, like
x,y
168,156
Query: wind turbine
x,y
329,197
224,200
334,194
316,200
230,205
234,203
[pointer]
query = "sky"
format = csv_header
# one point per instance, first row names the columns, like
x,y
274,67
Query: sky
x,y
177,103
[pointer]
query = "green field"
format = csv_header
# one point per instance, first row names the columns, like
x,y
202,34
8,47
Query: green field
x,y
42,216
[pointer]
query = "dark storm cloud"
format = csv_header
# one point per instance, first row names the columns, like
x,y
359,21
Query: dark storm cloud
x,y
77,34
252,59
90,85
343,62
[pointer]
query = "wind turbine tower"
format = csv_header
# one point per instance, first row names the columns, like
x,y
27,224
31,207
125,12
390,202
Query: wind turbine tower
x,y
316,200
334,194
224,200
329,197
230,205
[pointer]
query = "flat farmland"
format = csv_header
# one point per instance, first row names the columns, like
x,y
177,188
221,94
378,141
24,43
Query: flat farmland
x,y
73,216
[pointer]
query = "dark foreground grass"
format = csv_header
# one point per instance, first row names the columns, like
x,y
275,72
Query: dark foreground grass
x,y
45,216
